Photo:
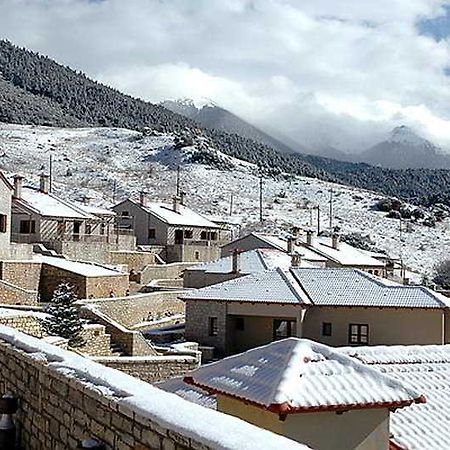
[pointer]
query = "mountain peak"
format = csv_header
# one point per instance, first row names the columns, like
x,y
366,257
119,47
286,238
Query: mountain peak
x,y
405,135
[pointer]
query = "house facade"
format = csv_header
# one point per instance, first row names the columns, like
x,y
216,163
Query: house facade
x,y
333,306
5,216
177,232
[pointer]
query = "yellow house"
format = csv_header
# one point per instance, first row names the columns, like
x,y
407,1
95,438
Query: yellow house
x,y
307,392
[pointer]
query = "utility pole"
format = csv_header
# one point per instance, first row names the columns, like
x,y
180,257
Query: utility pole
x,y
178,181
318,220
261,197
331,208
114,191
51,172
231,204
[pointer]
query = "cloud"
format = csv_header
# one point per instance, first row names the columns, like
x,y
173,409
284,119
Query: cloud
x,y
322,72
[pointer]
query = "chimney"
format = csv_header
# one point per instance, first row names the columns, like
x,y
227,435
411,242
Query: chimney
x,y
18,181
296,259
86,199
182,196
236,259
309,237
44,184
142,198
176,204
291,245
335,241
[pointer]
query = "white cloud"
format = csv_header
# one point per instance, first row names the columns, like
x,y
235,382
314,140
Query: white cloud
x,y
320,71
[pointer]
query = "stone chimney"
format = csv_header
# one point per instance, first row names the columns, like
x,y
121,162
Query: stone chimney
x,y
310,237
335,241
236,261
176,204
142,198
44,185
296,259
291,245
18,182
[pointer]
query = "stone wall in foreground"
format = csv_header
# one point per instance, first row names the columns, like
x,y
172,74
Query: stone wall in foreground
x,y
65,398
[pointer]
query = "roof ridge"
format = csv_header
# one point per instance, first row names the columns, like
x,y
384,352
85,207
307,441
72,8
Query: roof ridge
x,y
291,286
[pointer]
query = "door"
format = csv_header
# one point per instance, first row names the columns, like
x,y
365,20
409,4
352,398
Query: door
x,y
178,236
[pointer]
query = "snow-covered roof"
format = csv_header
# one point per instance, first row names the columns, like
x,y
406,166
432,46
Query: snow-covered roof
x,y
344,254
251,261
81,268
205,426
188,392
320,287
96,210
49,205
275,286
352,287
298,375
6,313
184,217
427,369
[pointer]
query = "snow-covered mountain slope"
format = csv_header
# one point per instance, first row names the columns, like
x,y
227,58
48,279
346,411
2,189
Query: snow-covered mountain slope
x,y
405,149
108,164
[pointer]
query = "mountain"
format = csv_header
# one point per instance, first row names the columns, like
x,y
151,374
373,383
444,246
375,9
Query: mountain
x,y
215,117
36,90
405,149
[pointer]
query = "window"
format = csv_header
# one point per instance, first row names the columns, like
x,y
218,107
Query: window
x,y
203,235
240,324
102,228
197,255
326,328
3,222
125,213
88,228
76,227
27,227
358,334
188,234
213,236
283,329
152,233
213,331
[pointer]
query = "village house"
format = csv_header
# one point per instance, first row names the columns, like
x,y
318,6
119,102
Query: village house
x,y
319,251
332,306
298,388
174,231
240,264
73,230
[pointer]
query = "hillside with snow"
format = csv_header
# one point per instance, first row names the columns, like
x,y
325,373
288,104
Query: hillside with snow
x,y
109,164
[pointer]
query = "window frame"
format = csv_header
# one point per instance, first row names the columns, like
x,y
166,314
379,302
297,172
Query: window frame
x,y
361,336
3,223
151,233
29,229
213,328
327,329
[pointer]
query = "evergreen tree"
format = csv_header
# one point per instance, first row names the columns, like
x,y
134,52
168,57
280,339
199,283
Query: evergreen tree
x,y
64,319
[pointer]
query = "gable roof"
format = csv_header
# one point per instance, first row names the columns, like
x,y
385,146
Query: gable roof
x,y
298,375
320,287
48,205
185,216
251,261
344,255
273,286
427,369
353,287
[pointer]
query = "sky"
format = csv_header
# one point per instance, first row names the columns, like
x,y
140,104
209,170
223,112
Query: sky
x,y
338,73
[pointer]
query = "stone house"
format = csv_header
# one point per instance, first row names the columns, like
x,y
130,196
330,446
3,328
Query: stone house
x,y
318,251
68,228
298,388
177,231
332,306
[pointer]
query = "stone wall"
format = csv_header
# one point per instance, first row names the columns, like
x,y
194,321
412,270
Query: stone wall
x,y
152,369
97,342
20,251
85,287
25,274
14,295
134,260
65,398
27,324
129,311
198,314
161,271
